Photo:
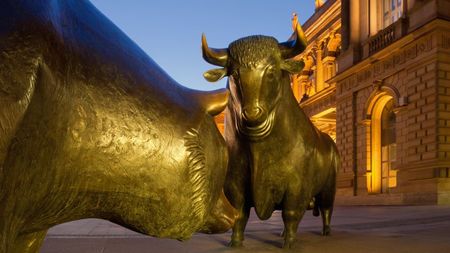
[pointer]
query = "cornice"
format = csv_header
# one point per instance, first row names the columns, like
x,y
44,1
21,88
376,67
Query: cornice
x,y
392,49
319,96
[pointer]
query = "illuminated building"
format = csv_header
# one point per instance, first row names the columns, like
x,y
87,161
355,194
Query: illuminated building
x,y
377,79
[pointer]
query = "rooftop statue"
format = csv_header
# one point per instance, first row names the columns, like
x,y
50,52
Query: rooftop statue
x,y
278,158
91,127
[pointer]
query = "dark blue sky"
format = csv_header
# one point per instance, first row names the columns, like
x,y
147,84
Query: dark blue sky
x,y
170,30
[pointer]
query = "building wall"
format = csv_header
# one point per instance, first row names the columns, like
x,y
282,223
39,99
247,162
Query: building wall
x,y
312,88
408,61
413,70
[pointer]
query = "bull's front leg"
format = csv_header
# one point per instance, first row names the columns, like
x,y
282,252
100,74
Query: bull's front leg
x,y
237,236
292,213
235,191
22,243
29,243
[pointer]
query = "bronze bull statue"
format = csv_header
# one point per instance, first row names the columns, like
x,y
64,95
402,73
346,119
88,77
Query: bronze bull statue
x,y
91,127
278,158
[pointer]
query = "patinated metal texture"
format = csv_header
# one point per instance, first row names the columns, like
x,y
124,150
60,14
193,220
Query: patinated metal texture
x,y
278,159
90,126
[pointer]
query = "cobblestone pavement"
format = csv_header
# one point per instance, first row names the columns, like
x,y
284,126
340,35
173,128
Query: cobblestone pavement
x,y
367,229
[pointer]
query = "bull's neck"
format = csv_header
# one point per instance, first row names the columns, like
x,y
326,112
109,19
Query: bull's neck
x,y
290,104
289,115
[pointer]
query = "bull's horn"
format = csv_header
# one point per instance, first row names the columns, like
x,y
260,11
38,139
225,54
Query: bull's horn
x,y
295,46
214,56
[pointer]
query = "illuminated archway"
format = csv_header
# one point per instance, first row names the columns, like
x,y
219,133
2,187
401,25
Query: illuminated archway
x,y
380,119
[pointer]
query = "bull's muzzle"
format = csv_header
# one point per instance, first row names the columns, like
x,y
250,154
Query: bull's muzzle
x,y
253,116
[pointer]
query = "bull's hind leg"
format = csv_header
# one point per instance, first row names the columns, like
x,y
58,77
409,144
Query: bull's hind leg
x,y
315,207
325,201
326,220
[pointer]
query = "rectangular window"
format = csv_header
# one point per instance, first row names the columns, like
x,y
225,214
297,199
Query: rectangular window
x,y
392,11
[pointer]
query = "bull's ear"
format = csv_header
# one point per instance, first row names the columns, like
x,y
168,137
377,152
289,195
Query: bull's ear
x,y
293,66
215,75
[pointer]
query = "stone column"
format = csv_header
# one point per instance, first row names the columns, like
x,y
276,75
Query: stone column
x,y
373,18
319,68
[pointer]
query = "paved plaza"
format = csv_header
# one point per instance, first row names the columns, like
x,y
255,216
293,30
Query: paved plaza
x,y
368,229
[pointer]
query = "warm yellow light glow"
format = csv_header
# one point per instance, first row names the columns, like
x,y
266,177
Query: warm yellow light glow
x,y
220,122
392,178
319,70
374,16
374,186
369,181
325,121
324,113
296,87
319,3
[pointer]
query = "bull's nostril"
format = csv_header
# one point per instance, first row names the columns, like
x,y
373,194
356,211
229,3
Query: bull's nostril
x,y
252,114
257,112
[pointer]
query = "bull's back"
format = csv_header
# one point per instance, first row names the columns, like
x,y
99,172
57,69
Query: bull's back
x,y
101,117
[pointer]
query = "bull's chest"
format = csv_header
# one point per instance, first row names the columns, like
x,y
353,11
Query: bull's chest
x,y
272,174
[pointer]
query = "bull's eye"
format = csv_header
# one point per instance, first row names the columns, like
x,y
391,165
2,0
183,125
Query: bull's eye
x,y
235,78
234,89
270,73
235,74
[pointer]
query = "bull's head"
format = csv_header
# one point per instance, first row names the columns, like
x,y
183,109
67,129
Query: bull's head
x,y
258,68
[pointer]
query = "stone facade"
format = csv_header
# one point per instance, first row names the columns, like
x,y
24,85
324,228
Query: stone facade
x,y
412,68
313,89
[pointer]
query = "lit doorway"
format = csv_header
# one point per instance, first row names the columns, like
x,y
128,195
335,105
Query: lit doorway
x,y
382,175
388,147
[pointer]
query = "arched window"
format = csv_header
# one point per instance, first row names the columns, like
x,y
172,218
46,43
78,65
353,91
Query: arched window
x,y
388,147
382,175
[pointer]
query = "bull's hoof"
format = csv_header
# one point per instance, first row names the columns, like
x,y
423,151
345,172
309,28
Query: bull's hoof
x,y
235,244
289,243
326,231
316,212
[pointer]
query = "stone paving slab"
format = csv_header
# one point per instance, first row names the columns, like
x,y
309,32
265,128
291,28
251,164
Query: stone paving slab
x,y
398,229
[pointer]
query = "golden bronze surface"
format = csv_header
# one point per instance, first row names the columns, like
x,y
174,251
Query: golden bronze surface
x,y
278,159
91,127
